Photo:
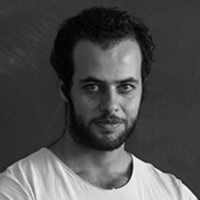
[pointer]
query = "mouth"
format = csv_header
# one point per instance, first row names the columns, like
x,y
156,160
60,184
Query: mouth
x,y
108,127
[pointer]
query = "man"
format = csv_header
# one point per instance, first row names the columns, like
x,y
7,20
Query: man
x,y
102,57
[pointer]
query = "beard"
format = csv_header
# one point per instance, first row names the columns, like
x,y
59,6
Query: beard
x,y
82,133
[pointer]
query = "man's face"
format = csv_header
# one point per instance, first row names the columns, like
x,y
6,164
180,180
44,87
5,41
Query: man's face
x,y
105,94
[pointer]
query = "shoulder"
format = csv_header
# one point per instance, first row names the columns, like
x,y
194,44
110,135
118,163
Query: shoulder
x,y
30,163
164,182
24,171
22,178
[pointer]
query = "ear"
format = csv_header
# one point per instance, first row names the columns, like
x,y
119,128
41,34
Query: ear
x,y
62,92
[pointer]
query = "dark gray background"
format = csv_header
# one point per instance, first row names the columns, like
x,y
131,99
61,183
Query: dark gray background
x,y
31,111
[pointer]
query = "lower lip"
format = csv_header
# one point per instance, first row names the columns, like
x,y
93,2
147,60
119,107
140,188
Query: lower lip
x,y
108,127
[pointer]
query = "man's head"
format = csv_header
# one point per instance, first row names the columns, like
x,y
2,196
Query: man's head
x,y
105,27
102,56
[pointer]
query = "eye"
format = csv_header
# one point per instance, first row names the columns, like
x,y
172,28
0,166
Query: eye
x,y
92,88
126,88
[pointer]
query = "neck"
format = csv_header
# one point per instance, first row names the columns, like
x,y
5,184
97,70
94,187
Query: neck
x,y
69,152
96,167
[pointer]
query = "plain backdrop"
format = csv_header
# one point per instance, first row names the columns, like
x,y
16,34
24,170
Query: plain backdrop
x,y
32,113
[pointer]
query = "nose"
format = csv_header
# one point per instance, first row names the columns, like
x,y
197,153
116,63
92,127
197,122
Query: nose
x,y
110,102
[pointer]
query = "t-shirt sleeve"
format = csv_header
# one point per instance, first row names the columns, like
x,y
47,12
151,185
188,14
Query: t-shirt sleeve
x,y
12,189
188,195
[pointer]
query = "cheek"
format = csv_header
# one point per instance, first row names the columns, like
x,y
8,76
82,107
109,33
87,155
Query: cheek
x,y
131,112
85,107
131,108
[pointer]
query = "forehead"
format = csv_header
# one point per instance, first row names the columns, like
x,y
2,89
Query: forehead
x,y
121,61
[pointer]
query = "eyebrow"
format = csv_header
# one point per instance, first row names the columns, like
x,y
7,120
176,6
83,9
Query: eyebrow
x,y
96,80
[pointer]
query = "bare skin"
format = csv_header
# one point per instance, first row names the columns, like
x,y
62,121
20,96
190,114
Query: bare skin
x,y
103,81
104,170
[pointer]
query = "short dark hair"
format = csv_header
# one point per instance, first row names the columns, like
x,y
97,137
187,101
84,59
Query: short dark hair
x,y
105,27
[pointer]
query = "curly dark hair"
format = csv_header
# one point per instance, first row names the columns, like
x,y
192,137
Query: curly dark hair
x,y
105,27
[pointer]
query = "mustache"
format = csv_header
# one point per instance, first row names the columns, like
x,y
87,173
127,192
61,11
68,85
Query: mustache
x,y
109,119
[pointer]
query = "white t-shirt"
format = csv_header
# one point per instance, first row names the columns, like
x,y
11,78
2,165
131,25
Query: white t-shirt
x,y
43,176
